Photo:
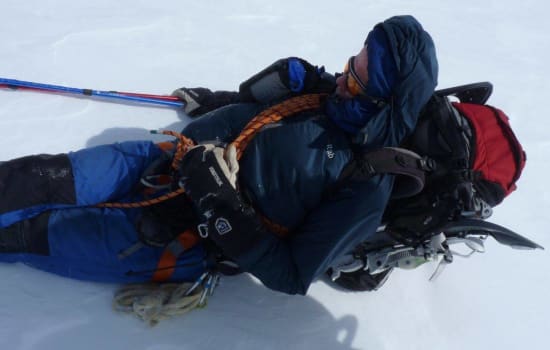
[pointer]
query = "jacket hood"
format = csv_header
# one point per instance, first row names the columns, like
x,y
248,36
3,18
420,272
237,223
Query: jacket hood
x,y
414,54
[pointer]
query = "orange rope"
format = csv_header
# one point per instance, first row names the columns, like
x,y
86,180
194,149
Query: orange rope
x,y
182,147
273,114
144,203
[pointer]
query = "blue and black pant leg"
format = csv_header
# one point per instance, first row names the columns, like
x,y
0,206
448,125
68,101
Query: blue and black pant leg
x,y
47,218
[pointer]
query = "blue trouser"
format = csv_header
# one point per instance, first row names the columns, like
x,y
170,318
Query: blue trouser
x,y
84,242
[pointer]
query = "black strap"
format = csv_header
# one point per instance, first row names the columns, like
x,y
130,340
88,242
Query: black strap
x,y
407,165
448,125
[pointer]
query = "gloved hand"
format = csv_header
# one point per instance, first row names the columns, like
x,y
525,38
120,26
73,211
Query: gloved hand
x,y
210,182
204,172
197,100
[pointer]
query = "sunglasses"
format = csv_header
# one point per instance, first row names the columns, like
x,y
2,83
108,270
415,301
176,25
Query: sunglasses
x,y
354,84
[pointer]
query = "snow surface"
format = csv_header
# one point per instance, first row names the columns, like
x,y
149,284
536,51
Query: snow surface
x,y
498,300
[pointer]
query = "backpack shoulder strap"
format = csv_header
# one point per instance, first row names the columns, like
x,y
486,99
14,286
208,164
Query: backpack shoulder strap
x,y
407,165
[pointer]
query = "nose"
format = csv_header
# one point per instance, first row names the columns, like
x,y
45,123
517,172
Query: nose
x,y
342,88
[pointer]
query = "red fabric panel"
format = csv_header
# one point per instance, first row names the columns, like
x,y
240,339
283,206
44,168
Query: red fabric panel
x,y
496,147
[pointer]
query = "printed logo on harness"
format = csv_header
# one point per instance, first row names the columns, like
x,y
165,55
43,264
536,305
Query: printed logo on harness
x,y
222,226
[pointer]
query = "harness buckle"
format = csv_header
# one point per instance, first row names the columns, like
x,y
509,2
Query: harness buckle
x,y
427,164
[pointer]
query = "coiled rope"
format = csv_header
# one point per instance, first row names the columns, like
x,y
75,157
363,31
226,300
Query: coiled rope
x,y
153,302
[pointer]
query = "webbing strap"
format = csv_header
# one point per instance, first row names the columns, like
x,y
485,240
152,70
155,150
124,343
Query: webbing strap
x,y
408,165
287,108
169,257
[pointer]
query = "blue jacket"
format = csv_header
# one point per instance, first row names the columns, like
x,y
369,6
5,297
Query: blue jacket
x,y
288,167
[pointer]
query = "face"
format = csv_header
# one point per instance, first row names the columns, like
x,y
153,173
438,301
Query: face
x,y
349,84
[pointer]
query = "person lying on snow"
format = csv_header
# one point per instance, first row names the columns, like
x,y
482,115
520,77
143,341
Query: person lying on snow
x,y
306,191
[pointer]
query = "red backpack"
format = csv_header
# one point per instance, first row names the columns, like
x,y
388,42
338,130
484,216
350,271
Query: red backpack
x,y
475,162
498,157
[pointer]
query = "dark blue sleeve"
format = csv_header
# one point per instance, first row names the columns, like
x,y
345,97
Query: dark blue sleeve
x,y
334,228
223,124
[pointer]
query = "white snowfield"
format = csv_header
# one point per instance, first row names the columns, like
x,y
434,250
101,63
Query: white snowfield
x,y
497,300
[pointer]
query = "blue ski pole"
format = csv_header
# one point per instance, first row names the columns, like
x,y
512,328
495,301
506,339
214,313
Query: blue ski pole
x,y
128,96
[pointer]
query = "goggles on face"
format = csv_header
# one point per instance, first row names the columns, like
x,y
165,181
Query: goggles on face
x,y
356,87
353,82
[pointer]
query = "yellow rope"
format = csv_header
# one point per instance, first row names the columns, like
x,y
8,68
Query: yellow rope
x,y
153,302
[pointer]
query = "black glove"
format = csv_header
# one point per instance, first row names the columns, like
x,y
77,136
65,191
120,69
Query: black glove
x,y
197,100
317,80
203,172
226,218
202,100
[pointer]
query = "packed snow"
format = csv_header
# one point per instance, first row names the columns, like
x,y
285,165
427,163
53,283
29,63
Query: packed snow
x,y
497,300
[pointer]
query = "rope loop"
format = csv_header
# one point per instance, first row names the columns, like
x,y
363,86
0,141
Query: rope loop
x,y
270,115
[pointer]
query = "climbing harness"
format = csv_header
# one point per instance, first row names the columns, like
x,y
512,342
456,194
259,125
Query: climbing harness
x,y
153,302
270,115
182,146
365,165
